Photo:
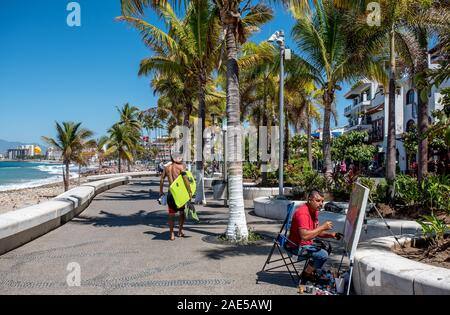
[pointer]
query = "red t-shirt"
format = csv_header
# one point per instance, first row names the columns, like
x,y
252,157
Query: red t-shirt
x,y
302,220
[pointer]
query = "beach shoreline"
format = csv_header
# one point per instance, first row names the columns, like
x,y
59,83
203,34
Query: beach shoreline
x,y
15,199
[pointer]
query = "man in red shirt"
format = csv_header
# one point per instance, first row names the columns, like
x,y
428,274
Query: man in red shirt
x,y
304,228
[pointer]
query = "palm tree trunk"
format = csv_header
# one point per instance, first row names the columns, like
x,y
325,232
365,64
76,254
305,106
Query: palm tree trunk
x,y
79,174
286,137
200,194
391,153
66,177
422,101
326,138
309,144
120,170
237,224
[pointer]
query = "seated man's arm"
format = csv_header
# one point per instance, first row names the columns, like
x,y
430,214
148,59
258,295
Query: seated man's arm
x,y
308,235
327,235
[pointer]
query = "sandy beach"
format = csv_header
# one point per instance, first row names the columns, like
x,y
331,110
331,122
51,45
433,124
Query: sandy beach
x,y
16,199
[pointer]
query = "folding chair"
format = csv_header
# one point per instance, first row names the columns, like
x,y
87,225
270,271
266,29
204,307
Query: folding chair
x,y
280,243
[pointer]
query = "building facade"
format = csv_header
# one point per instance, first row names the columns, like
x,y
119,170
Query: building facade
x,y
369,110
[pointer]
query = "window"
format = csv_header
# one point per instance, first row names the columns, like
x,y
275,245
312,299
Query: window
x,y
410,125
410,97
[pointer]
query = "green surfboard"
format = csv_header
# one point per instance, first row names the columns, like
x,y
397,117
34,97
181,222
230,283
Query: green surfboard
x,y
179,191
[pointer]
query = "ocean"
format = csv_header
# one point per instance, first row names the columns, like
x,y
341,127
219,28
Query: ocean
x,y
17,175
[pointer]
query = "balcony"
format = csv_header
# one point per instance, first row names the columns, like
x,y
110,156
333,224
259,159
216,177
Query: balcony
x,y
359,123
357,108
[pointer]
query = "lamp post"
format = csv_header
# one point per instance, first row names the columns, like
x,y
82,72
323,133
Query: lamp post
x,y
278,38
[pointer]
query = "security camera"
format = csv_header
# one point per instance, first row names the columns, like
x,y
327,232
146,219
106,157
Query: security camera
x,y
272,38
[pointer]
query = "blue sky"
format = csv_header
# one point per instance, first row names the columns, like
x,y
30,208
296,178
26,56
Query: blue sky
x,y
52,72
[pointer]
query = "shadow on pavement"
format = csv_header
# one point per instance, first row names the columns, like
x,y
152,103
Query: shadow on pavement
x,y
237,250
281,278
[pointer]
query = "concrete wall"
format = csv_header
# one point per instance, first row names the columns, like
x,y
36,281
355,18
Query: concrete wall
x,y
131,174
397,275
21,226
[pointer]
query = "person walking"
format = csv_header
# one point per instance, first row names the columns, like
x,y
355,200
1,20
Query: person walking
x,y
172,171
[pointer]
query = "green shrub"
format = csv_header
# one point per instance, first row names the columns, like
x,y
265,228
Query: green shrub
x,y
302,177
407,190
377,191
251,171
432,227
436,192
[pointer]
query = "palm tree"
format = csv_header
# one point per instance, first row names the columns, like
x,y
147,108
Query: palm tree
x,y
70,139
302,108
236,23
189,51
404,28
122,143
99,147
425,20
129,119
328,59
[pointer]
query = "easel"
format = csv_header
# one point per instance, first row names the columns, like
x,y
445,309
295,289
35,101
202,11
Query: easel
x,y
360,203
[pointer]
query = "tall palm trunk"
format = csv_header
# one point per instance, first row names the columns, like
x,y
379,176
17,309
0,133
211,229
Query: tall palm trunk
x,y
237,224
391,153
119,165
309,144
286,138
326,136
200,194
66,177
422,101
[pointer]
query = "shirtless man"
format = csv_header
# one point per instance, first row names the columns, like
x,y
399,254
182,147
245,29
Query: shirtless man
x,y
172,171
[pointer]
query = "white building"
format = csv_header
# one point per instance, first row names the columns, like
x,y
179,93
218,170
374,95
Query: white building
x,y
53,154
369,111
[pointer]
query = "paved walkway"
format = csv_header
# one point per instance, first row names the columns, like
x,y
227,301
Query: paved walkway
x,y
121,244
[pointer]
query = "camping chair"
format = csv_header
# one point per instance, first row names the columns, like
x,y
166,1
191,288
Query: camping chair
x,y
280,243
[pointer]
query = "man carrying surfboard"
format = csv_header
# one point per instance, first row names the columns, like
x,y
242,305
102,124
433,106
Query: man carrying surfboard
x,y
172,171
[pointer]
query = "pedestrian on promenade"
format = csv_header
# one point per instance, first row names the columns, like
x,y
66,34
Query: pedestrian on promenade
x,y
172,171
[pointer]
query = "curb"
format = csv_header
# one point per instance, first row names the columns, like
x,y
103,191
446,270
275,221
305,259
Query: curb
x,y
397,274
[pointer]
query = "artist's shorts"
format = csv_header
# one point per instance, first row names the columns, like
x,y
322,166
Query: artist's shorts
x,y
172,206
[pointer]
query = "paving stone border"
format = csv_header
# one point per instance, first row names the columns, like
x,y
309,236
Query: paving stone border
x,y
397,274
23,225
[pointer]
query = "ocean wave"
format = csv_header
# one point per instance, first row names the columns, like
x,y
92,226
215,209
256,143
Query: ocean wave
x,y
34,183
31,184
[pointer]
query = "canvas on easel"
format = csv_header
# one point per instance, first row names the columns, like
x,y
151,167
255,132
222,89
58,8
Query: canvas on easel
x,y
354,222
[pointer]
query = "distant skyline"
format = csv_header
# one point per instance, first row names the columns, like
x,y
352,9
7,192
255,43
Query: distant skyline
x,y
52,72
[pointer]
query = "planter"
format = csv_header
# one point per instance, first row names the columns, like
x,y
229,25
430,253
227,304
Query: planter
x,y
397,275
251,192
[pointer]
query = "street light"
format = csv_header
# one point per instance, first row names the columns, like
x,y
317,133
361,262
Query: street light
x,y
278,38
